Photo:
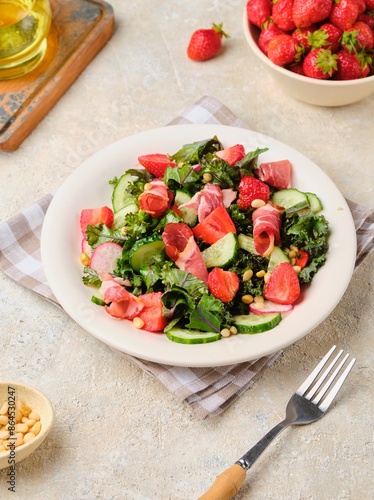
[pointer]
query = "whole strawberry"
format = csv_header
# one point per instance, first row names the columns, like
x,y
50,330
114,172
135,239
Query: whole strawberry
x,y
258,11
344,13
267,34
359,36
320,64
282,50
206,43
307,12
327,36
282,14
302,37
352,66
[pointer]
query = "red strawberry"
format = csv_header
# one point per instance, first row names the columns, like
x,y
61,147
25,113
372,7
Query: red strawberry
x,y
282,14
282,50
327,36
156,163
151,313
268,33
367,18
296,68
232,154
224,285
251,189
320,64
359,36
351,66
206,43
92,216
258,11
283,286
302,37
361,4
370,4
307,12
344,13
216,225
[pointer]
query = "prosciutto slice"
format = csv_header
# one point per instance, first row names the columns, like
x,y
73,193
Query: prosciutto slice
x,y
156,199
266,229
208,199
181,247
122,303
275,173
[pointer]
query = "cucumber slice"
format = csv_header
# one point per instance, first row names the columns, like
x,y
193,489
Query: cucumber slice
x,y
222,253
119,217
144,252
314,202
276,257
257,323
247,243
120,197
184,336
288,198
189,216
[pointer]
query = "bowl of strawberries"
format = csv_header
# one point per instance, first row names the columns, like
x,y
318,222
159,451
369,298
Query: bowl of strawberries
x,y
318,51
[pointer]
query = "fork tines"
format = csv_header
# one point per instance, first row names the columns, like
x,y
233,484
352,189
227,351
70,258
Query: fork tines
x,y
313,388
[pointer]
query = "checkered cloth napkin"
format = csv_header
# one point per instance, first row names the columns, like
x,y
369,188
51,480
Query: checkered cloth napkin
x,y
208,391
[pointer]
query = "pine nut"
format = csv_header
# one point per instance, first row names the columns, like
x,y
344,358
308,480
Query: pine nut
x,y
84,258
293,261
138,322
247,275
19,404
292,254
18,416
297,269
267,277
225,332
36,428
233,330
4,409
30,422
259,299
260,274
22,428
247,299
34,415
207,177
2,448
294,248
28,437
147,186
4,434
26,410
3,419
257,203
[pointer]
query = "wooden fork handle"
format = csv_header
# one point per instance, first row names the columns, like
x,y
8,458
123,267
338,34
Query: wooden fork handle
x,y
226,485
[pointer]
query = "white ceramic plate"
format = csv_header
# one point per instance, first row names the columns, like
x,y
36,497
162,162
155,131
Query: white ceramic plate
x,y
88,187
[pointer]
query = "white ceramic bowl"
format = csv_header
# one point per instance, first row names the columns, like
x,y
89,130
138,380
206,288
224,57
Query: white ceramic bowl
x,y
38,402
303,88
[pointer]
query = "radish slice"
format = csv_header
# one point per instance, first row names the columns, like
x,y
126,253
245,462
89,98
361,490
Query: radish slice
x,y
105,256
267,307
85,247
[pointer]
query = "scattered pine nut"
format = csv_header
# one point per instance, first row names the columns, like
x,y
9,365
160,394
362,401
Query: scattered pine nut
x,y
292,254
85,260
260,274
233,330
138,322
207,177
257,203
259,299
225,332
297,269
267,277
247,275
247,299
294,248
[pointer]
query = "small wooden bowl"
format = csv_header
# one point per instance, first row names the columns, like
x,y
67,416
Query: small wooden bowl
x,y
12,391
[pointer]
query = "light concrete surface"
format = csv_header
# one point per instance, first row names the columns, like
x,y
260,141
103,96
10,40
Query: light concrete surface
x,y
118,433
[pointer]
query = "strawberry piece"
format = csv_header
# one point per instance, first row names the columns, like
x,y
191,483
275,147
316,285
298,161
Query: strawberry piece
x,y
92,216
156,163
320,64
307,12
283,286
282,50
302,258
251,189
216,225
282,14
258,11
232,154
151,313
206,43
223,285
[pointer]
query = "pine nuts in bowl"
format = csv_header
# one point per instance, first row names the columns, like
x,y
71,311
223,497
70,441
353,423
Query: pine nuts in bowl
x,y
309,90
26,417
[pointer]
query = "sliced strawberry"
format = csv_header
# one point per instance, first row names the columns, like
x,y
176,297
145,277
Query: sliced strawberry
x,y
224,285
156,163
214,226
92,216
232,155
151,313
251,189
283,286
302,258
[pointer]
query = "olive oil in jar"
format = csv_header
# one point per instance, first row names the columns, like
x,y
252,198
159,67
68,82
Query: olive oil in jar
x,y
24,26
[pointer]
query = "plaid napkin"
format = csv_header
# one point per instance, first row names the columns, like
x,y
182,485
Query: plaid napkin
x,y
208,391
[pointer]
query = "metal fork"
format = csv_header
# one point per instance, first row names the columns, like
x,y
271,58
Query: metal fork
x,y
309,403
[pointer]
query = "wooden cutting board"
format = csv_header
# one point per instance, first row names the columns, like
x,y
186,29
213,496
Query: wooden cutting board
x,y
80,28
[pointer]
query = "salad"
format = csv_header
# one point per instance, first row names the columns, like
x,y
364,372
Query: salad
x,y
203,243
